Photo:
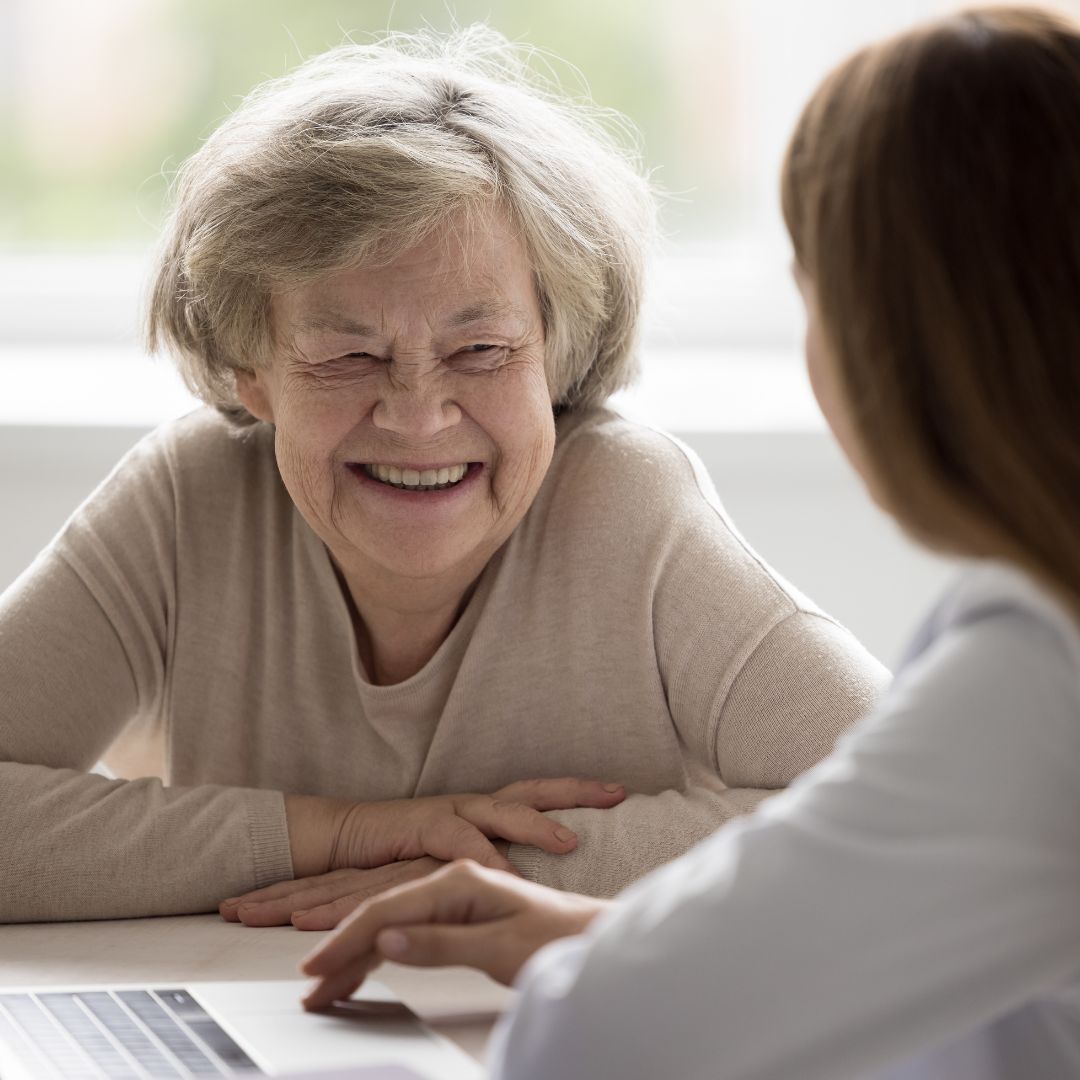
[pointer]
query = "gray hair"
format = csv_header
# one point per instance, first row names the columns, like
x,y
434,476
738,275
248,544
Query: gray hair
x,y
360,153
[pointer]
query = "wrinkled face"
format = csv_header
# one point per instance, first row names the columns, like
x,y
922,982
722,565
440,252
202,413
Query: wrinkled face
x,y
413,418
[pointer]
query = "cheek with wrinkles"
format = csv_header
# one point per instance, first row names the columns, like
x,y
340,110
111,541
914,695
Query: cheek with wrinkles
x,y
306,476
337,376
520,465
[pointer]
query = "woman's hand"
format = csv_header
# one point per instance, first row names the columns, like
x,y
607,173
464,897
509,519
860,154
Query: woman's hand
x,y
333,834
461,914
320,903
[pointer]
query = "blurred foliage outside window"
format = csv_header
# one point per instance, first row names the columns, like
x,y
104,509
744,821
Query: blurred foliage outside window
x,y
99,102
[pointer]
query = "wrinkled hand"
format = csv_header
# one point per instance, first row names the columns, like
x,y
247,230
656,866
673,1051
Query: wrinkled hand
x,y
320,903
461,914
459,826
333,834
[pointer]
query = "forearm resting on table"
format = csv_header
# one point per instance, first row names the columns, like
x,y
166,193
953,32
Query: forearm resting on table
x,y
77,845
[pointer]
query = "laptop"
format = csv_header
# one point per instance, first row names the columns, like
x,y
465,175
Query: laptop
x,y
214,1029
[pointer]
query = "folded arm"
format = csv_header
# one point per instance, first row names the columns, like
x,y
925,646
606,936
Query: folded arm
x,y
619,845
77,845
801,686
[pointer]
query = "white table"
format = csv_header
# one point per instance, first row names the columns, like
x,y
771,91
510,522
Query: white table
x,y
456,1002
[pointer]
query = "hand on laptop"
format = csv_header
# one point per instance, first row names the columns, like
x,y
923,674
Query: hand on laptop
x,y
462,914
345,852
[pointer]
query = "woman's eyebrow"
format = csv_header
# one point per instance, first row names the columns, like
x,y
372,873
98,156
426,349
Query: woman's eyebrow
x,y
485,309
321,322
336,322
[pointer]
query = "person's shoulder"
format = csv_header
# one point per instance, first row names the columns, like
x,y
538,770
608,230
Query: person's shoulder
x,y
609,434
617,476
201,460
640,468
992,589
994,601
984,711
999,637
203,455
207,439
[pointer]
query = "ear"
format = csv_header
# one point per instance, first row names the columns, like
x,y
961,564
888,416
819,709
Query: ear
x,y
251,390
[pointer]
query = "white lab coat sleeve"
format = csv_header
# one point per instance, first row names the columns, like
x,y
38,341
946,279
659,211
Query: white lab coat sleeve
x,y
920,882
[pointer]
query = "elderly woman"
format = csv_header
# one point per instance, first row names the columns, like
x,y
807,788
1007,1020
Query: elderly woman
x,y
406,553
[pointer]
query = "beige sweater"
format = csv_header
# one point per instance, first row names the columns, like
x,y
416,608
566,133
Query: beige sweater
x,y
186,616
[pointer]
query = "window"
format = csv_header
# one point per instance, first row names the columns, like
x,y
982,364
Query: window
x,y
100,101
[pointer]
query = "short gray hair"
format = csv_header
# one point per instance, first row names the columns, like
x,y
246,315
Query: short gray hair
x,y
360,153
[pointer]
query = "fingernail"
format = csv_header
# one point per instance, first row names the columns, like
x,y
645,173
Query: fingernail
x,y
393,943
303,911
613,787
563,834
231,902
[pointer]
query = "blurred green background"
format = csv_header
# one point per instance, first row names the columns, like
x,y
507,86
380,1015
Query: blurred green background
x,y
100,101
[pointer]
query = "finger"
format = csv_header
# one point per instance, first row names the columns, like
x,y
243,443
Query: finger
x,y
352,945
279,912
566,793
228,908
269,914
327,916
272,892
518,823
483,947
335,988
450,838
452,894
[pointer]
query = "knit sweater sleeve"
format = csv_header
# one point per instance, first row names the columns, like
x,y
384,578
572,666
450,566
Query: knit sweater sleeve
x,y
759,684
84,640
804,684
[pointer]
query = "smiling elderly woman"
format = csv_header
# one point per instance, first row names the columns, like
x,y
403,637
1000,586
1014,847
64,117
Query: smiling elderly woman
x,y
406,553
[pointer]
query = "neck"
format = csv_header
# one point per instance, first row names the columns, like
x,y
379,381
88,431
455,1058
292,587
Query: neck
x,y
401,622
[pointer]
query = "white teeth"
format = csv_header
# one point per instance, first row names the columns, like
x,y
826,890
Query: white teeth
x,y
425,480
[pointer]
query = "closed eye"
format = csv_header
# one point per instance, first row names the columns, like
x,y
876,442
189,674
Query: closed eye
x,y
342,370
479,357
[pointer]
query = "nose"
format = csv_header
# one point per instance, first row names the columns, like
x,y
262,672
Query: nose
x,y
415,407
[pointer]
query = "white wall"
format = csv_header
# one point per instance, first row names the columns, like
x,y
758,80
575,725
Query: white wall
x,y
790,494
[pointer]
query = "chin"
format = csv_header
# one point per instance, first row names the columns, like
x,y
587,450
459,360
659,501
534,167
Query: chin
x,y
422,563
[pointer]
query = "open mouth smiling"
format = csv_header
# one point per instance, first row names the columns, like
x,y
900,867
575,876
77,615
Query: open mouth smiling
x,y
407,479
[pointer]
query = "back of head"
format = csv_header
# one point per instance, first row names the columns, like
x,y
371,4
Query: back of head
x,y
362,152
932,190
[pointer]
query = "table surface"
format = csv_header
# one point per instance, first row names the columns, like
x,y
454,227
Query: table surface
x,y
460,1004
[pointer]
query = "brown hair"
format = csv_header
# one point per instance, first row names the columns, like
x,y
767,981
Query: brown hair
x,y
932,192
361,152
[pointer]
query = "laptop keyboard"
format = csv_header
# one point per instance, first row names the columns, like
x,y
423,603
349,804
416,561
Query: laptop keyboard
x,y
119,1035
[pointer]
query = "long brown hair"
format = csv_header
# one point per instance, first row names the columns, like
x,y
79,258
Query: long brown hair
x,y
932,192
